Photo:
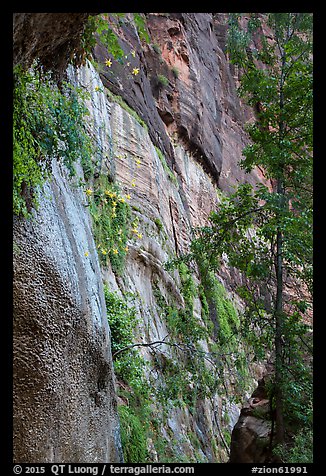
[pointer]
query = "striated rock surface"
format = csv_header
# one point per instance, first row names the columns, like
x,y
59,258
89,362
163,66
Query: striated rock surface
x,y
198,107
52,38
64,396
178,201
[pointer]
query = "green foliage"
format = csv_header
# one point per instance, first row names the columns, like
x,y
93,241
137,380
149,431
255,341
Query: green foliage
x,y
185,331
300,450
158,224
157,48
175,71
129,368
226,350
124,105
98,25
227,315
203,373
99,28
176,389
133,436
48,123
188,287
140,23
111,223
182,323
237,40
166,168
204,305
283,135
162,80
266,233
122,320
297,381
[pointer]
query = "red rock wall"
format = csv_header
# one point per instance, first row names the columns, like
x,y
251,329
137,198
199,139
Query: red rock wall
x,y
199,108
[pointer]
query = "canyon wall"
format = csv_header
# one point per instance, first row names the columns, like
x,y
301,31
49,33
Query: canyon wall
x,y
64,396
173,149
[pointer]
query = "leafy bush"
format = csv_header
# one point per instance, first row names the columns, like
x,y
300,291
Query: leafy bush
x,y
133,436
48,123
122,320
175,71
158,224
111,223
162,80
129,367
301,449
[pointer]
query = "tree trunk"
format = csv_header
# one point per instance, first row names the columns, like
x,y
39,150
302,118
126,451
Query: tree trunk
x,y
279,435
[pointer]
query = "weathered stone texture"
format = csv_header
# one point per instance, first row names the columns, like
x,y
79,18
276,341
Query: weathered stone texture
x,y
53,38
64,397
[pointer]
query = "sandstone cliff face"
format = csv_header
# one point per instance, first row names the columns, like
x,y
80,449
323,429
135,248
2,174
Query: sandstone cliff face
x,y
198,107
52,38
65,397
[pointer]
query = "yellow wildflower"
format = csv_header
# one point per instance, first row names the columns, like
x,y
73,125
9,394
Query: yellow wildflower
x,y
134,230
115,251
122,200
133,52
86,253
138,161
108,63
114,204
128,197
135,71
114,215
104,252
139,235
97,88
126,249
133,183
88,192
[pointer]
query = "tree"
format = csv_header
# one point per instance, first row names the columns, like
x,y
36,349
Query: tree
x,y
266,232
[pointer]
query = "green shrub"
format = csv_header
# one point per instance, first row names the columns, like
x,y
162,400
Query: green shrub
x,y
227,315
166,168
299,451
48,123
175,71
162,80
156,48
122,319
129,368
133,436
111,223
158,224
